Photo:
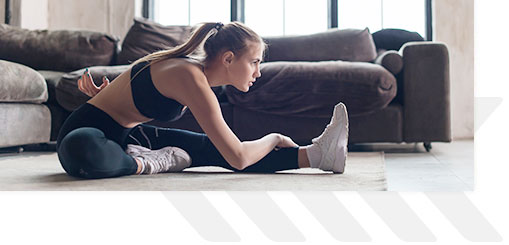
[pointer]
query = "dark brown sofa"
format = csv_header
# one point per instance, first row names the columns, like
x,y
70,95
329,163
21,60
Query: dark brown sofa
x,y
392,95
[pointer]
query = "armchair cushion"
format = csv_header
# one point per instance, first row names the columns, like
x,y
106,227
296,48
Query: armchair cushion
x,y
56,50
311,89
19,83
334,44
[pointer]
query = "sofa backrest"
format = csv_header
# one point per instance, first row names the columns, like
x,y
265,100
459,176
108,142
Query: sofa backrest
x,y
334,44
145,37
59,50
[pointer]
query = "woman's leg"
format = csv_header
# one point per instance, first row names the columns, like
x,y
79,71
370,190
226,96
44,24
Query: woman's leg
x,y
204,153
87,153
302,157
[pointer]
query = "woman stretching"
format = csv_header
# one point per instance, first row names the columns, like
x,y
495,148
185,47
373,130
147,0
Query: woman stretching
x,y
106,137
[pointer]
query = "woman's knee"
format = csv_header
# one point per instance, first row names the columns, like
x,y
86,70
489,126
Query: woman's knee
x,y
79,151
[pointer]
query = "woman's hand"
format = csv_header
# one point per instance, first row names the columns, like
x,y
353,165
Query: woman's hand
x,y
285,142
87,86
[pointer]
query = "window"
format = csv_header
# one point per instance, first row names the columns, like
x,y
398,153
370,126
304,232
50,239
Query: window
x,y
298,17
377,14
286,17
191,12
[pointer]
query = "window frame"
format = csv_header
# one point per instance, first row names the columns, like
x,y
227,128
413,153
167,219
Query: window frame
x,y
7,14
237,13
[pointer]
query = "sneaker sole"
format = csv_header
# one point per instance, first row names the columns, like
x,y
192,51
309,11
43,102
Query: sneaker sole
x,y
332,153
343,151
343,136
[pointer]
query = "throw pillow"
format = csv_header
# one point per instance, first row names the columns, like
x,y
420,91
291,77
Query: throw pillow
x,y
393,39
59,50
145,37
334,44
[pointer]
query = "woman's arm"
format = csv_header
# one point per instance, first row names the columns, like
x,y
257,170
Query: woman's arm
x,y
202,102
239,155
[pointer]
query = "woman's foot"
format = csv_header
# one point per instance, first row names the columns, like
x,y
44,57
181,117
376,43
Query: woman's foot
x,y
167,159
331,145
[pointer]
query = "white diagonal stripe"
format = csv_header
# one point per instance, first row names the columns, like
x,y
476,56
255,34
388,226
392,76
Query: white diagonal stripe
x,y
267,215
398,215
202,216
333,216
461,212
433,218
484,107
236,217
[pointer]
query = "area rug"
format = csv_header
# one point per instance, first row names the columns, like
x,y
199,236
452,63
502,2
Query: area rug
x,y
31,171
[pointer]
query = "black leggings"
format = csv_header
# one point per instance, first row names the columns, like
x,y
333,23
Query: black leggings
x,y
92,145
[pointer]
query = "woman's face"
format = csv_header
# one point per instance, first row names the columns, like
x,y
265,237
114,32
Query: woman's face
x,y
245,68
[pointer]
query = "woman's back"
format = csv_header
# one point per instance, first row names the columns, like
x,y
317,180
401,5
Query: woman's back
x,y
147,92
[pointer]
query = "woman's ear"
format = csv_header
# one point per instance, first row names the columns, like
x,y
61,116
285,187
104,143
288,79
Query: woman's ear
x,y
228,57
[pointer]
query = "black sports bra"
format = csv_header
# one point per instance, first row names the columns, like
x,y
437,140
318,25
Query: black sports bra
x,y
148,100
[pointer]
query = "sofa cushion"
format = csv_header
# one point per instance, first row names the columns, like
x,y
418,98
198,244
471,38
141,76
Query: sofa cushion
x,y
334,44
311,89
145,37
67,93
56,50
19,83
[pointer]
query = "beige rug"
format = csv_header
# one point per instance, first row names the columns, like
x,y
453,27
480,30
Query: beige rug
x,y
365,171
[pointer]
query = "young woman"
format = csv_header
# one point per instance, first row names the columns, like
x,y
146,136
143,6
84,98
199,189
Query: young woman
x,y
106,136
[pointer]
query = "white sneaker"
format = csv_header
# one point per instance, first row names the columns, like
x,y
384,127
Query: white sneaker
x,y
135,149
167,159
333,141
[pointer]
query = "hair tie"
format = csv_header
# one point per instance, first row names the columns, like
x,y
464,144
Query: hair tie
x,y
218,25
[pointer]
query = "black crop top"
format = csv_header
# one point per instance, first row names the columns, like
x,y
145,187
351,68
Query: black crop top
x,y
148,100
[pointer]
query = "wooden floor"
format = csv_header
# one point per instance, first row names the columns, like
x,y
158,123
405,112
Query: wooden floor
x,y
447,167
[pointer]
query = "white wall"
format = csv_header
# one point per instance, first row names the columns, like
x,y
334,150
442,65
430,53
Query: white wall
x,y
109,16
453,23
2,11
34,14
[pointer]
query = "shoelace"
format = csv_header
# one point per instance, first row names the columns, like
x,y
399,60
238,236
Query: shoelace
x,y
158,161
324,133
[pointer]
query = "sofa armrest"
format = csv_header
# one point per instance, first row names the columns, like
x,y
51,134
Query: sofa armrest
x,y
21,84
426,92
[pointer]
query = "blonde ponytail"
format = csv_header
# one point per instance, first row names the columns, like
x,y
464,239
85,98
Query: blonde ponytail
x,y
218,37
187,48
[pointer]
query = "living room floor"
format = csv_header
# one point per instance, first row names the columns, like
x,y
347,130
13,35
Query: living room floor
x,y
447,167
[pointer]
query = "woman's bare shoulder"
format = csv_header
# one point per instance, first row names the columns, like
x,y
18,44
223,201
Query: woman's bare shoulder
x,y
179,78
179,70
